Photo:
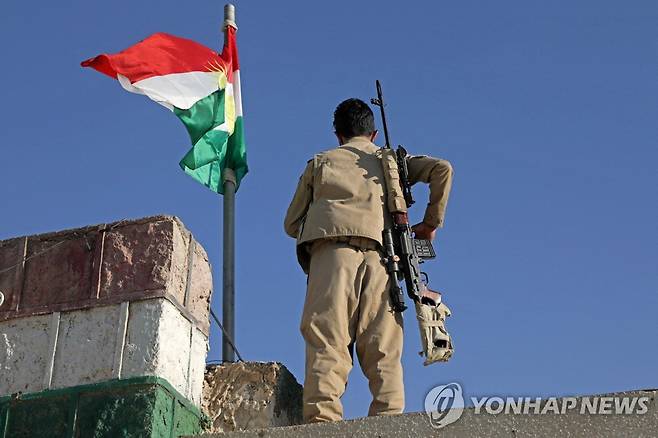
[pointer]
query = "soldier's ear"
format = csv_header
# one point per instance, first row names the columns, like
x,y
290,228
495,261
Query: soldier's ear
x,y
373,135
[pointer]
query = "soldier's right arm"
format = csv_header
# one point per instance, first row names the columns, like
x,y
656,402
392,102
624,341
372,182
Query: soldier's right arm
x,y
438,174
300,202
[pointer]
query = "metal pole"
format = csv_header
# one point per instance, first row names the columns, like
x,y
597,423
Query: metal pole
x,y
228,290
228,299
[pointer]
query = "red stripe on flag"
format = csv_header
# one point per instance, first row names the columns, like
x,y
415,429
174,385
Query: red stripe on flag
x,y
230,51
161,54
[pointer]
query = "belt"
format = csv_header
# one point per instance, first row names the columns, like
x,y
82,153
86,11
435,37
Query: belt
x,y
357,242
361,243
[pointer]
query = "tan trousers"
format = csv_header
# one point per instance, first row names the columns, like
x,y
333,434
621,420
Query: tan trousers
x,y
347,304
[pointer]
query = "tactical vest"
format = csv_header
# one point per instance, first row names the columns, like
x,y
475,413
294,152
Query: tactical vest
x,y
349,194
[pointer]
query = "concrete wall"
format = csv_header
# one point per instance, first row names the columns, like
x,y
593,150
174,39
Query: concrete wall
x,y
131,339
111,301
145,407
571,424
106,264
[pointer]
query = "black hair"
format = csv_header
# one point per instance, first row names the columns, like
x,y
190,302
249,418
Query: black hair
x,y
352,118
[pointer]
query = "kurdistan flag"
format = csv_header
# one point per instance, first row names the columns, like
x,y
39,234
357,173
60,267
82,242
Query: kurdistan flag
x,y
200,86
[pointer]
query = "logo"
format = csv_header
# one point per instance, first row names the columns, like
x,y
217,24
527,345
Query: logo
x,y
444,404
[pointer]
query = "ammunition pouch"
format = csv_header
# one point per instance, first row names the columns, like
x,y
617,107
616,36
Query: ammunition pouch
x,y
394,195
437,343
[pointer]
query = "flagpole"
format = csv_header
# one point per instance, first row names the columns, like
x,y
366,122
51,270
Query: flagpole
x,y
228,291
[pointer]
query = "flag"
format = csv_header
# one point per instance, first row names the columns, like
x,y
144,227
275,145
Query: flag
x,y
197,84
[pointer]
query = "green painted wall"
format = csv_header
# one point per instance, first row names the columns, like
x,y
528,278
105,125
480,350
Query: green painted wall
x,y
140,407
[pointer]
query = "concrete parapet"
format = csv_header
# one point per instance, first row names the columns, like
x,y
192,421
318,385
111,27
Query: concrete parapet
x,y
573,423
131,339
139,407
154,257
248,395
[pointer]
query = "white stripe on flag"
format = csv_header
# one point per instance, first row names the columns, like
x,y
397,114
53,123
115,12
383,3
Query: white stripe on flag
x,y
125,83
237,92
181,90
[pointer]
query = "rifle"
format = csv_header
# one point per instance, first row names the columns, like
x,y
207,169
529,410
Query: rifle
x,y
404,253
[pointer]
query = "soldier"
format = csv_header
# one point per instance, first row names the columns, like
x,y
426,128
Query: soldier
x,y
337,215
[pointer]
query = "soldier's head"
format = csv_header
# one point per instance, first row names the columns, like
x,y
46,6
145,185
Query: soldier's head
x,y
354,118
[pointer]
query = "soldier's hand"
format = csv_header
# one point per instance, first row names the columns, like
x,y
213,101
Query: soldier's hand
x,y
424,231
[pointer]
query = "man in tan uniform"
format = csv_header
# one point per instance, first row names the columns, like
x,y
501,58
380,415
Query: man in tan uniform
x,y
337,215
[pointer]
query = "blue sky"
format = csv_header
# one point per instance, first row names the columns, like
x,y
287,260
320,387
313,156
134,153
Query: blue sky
x,y
547,111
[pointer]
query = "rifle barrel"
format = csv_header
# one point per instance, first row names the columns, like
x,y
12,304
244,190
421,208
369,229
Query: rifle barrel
x,y
380,103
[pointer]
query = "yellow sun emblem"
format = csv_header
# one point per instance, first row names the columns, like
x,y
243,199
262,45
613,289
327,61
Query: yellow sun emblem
x,y
229,100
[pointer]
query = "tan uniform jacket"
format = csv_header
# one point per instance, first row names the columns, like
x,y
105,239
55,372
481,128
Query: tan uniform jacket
x,y
342,193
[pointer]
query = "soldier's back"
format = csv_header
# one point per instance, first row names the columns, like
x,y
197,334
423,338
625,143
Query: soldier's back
x,y
348,193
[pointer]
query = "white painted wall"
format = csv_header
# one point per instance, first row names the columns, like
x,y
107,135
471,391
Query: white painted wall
x,y
142,338
23,354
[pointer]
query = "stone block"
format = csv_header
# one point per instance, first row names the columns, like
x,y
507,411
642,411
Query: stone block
x,y
24,354
132,339
159,343
58,270
250,395
11,281
143,257
106,264
140,407
200,288
86,342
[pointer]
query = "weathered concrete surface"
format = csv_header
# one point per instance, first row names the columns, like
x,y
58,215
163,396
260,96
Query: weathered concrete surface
x,y
143,338
157,343
142,407
571,424
23,354
197,367
160,342
250,395
106,264
85,347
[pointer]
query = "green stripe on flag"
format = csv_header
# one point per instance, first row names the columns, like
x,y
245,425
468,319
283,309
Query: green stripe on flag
x,y
237,151
213,149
